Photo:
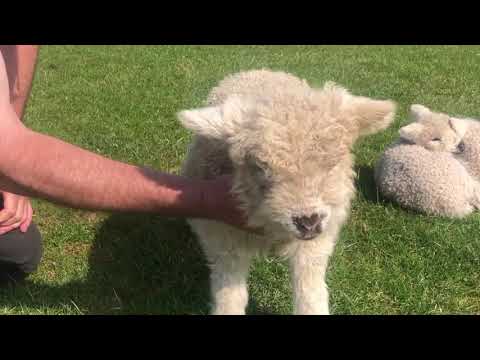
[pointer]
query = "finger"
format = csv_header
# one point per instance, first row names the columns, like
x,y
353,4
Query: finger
x,y
6,229
7,212
10,209
6,215
22,212
19,214
12,206
19,217
28,218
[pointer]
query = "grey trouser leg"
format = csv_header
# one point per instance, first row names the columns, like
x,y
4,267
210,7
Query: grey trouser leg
x,y
20,254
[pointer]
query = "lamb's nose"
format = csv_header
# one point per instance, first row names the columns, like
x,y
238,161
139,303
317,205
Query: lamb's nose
x,y
308,224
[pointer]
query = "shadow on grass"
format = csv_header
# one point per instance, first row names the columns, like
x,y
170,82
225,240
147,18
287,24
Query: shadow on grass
x,y
368,190
137,265
365,184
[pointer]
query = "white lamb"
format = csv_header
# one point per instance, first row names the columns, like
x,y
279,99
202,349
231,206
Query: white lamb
x,y
429,169
289,148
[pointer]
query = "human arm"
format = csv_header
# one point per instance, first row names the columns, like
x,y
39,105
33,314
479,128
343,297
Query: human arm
x,y
20,61
16,211
38,165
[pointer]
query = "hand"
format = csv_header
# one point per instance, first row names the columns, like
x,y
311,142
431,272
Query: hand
x,y
223,206
16,213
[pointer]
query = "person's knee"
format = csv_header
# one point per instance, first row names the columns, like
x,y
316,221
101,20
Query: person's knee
x,y
22,251
33,255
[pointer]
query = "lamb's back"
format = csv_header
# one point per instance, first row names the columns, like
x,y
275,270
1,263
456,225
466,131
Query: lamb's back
x,y
434,183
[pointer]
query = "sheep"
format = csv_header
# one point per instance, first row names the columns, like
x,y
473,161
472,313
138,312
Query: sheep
x,y
429,168
433,130
441,132
468,153
288,146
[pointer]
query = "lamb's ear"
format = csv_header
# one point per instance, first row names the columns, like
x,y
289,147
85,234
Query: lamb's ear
x,y
373,115
206,121
418,111
411,132
460,126
217,122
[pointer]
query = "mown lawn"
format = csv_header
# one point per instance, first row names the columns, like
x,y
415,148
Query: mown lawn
x,y
120,101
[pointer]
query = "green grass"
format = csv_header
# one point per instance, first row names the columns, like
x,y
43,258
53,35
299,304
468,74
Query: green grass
x,y
120,101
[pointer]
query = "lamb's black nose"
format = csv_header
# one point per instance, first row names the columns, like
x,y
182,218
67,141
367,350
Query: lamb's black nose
x,y
461,147
308,225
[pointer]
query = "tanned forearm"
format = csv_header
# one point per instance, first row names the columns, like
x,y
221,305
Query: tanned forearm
x,y
38,165
34,164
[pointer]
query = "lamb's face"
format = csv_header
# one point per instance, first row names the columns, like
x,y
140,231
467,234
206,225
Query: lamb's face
x,y
292,158
434,131
296,192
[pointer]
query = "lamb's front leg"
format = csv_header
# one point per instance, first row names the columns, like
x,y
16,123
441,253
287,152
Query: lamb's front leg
x,y
308,267
229,274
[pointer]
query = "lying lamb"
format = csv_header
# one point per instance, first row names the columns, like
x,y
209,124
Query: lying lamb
x,y
289,148
429,169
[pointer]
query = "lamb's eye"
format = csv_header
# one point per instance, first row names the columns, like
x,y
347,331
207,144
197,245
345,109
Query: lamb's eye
x,y
436,139
257,166
262,168
261,173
